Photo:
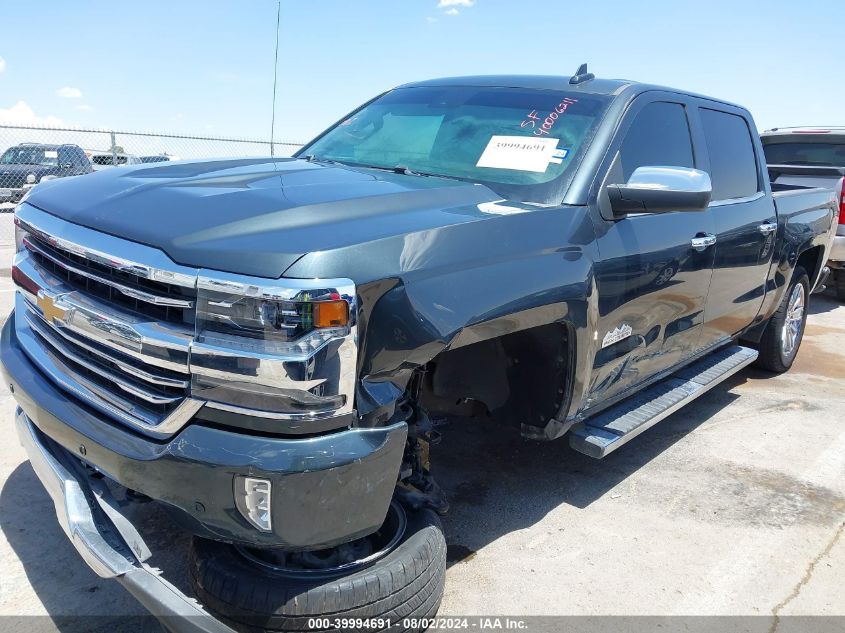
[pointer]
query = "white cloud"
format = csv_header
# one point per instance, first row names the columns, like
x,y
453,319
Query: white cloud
x,y
2,64
431,20
69,93
84,107
442,4
22,114
452,11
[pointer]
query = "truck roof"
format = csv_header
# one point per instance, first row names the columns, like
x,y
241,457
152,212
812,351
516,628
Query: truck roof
x,y
535,82
597,85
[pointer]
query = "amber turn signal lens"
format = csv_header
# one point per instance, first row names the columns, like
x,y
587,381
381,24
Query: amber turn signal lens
x,y
331,313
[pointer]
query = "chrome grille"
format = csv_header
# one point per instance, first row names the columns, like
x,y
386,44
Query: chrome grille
x,y
159,301
114,333
113,324
142,384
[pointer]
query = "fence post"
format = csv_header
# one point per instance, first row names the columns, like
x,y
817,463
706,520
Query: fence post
x,y
113,150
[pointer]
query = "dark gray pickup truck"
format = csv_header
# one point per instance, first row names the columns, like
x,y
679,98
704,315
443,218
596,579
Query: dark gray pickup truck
x,y
264,347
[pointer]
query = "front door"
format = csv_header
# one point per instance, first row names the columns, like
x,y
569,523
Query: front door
x,y
745,226
652,281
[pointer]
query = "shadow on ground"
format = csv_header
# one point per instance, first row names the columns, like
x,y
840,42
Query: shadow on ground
x,y
498,482
824,302
77,600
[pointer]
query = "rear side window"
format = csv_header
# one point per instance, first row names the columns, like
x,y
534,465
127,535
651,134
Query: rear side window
x,y
733,166
820,154
658,137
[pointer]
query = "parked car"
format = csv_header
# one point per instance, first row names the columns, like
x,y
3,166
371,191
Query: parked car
x,y
24,166
265,346
812,157
102,159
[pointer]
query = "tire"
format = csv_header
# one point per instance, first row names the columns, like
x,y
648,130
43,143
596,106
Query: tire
x,y
406,583
777,348
839,283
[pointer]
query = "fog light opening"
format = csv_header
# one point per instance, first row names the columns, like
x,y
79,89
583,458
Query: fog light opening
x,y
253,499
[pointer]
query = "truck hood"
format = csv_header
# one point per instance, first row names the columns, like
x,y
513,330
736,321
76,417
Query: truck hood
x,y
257,216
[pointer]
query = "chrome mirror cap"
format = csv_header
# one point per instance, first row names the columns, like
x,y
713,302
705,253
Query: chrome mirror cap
x,y
681,179
661,189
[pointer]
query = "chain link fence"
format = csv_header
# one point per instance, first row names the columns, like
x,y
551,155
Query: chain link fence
x,y
29,154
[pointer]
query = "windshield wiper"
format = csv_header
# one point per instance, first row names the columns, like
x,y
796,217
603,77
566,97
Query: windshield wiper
x,y
398,169
405,171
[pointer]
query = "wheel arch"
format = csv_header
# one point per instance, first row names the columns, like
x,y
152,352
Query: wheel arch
x,y
427,326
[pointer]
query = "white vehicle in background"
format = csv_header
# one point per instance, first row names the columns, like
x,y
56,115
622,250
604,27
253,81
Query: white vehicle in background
x,y
812,157
102,159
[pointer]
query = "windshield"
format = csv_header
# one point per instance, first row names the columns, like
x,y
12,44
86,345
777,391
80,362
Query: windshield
x,y
519,142
824,154
30,156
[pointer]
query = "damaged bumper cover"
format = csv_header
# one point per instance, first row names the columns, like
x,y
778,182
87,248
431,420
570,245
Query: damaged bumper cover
x,y
95,535
327,489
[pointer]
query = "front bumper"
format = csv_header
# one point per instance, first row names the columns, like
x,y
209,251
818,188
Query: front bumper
x,y
82,514
327,490
13,194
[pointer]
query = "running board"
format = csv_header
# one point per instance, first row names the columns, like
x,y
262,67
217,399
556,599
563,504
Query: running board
x,y
613,427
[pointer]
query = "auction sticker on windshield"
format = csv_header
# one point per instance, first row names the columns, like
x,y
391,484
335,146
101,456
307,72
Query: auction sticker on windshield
x,y
521,153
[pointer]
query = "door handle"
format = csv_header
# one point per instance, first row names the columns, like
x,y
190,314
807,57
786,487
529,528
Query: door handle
x,y
768,227
700,243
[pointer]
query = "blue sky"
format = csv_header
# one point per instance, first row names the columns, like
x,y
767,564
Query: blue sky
x,y
206,66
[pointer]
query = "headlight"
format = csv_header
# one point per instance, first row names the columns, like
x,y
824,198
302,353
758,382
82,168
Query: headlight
x,y
284,348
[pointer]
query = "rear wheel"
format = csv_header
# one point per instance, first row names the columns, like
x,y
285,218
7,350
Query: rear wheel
x,y
782,337
396,574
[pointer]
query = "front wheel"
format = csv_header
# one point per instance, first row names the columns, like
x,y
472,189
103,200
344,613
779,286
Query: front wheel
x,y
782,337
395,576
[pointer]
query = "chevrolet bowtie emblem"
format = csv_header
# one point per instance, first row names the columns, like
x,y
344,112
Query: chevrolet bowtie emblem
x,y
49,308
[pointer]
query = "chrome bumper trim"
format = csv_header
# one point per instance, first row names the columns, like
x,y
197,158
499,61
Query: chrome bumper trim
x,y
102,543
72,508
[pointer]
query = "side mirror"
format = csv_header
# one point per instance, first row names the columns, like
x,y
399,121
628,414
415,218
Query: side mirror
x,y
661,190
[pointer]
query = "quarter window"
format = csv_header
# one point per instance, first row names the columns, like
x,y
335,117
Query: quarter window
x,y
733,166
658,137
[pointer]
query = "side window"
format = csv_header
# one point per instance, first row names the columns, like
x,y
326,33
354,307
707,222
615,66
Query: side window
x,y
64,157
81,160
733,166
659,136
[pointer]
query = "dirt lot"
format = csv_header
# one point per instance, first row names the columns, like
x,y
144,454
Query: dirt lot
x,y
735,505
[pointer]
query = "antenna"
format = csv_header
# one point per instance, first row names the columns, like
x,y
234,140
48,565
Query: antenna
x,y
581,75
275,75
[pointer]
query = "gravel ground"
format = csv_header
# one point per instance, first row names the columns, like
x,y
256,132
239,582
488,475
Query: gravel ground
x,y
733,506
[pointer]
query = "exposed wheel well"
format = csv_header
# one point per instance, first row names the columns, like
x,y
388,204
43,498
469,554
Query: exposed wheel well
x,y
811,261
522,378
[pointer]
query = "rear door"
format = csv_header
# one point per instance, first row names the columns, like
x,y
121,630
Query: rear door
x,y
651,282
744,219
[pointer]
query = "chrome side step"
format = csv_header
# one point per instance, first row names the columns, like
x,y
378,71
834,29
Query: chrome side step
x,y
613,427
